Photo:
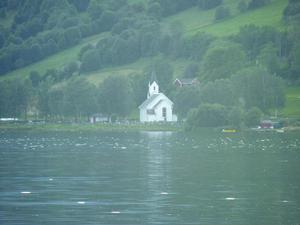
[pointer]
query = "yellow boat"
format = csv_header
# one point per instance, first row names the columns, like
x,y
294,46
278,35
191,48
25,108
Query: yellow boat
x,y
228,130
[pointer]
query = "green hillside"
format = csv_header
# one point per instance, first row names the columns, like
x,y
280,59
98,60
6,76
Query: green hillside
x,y
181,39
55,61
194,20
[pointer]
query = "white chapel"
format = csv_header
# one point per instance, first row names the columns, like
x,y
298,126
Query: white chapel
x,y
157,107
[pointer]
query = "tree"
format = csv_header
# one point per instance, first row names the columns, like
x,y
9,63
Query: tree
x,y
139,84
219,91
268,58
196,46
90,61
242,6
236,117
35,53
84,49
292,12
2,40
94,9
5,99
19,95
253,4
223,60
154,9
252,38
43,105
81,5
56,101
258,88
72,36
186,98
163,71
191,70
107,20
209,4
35,78
294,62
253,117
207,115
222,13
115,96
70,68
79,98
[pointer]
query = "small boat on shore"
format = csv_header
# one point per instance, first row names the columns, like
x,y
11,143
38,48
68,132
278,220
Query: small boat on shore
x,y
229,131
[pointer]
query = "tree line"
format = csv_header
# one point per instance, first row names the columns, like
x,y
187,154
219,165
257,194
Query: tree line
x,y
75,100
239,99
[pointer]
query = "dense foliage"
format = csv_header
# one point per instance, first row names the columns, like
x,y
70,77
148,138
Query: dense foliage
x,y
240,74
42,28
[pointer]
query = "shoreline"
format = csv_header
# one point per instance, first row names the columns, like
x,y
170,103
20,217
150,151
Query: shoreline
x,y
86,127
54,127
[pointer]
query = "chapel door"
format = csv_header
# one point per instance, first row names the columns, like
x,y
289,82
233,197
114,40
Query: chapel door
x,y
164,113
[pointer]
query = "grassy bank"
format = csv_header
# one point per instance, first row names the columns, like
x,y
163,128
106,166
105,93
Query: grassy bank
x,y
89,127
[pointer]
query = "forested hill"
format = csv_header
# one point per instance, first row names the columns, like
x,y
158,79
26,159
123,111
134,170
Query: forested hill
x,y
119,31
51,44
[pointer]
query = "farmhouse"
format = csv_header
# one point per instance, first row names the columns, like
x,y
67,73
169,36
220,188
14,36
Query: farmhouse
x,y
185,82
157,107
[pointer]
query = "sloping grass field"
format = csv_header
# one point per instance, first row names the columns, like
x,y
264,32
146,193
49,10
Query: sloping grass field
x,y
195,20
55,61
292,105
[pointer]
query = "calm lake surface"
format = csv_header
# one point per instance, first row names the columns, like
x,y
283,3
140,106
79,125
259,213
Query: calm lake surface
x,y
149,178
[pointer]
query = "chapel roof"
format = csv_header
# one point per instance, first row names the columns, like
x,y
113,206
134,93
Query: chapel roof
x,y
147,101
152,98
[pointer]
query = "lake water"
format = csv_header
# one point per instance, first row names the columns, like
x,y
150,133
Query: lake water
x,y
149,178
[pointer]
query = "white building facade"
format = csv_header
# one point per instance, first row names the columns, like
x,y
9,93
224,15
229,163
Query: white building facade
x,y
157,107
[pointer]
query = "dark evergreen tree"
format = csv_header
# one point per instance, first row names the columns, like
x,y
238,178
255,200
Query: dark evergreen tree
x,y
209,4
116,96
253,4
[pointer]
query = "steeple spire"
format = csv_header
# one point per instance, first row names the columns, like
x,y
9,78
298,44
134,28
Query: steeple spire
x,y
153,77
153,87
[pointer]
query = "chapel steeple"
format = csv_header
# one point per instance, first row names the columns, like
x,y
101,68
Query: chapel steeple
x,y
153,87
